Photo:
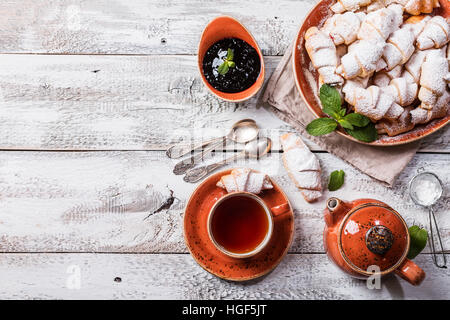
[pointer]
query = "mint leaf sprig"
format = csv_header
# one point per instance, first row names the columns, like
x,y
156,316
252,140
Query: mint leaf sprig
x,y
227,63
357,125
418,241
336,180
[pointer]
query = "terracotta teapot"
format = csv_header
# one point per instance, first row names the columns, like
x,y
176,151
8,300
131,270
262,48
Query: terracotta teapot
x,y
365,233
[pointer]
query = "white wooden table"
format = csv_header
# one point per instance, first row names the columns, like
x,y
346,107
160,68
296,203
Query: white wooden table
x,y
92,93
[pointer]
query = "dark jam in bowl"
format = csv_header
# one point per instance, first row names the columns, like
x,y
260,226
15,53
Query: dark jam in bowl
x,y
238,78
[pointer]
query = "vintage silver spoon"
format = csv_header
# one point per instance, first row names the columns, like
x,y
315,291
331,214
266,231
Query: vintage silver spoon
x,y
179,150
242,131
422,183
253,149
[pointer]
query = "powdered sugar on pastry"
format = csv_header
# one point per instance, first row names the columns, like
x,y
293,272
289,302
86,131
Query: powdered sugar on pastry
x,y
436,34
399,47
403,91
349,5
392,63
395,127
379,24
425,113
433,75
378,4
383,78
244,179
302,165
343,28
322,52
361,60
371,102
416,7
414,66
447,78
417,23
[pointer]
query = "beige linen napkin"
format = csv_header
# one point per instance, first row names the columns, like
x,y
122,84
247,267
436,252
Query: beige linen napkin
x,y
382,163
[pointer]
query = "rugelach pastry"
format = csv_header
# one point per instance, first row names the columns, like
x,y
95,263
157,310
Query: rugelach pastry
x,y
244,179
322,52
302,166
436,34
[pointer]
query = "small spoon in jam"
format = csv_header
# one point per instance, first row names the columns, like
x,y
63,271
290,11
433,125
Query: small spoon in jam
x,y
242,131
254,149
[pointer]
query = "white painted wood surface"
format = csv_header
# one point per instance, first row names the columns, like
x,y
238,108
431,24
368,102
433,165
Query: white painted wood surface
x,y
87,102
91,92
177,276
106,201
140,26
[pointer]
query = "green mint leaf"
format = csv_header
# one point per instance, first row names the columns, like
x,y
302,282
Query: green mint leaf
x,y
418,241
345,124
230,54
223,68
231,64
342,112
332,113
357,119
321,126
330,99
365,134
336,180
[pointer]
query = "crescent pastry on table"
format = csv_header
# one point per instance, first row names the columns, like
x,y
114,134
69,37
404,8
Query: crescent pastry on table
x,y
302,166
244,179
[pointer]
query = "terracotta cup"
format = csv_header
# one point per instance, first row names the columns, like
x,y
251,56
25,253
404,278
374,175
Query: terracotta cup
x,y
228,27
270,213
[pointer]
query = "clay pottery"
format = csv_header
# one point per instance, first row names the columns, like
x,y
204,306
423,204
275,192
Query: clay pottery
x,y
366,236
306,78
215,261
227,27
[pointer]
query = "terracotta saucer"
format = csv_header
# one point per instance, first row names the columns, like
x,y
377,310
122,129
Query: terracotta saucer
x,y
219,264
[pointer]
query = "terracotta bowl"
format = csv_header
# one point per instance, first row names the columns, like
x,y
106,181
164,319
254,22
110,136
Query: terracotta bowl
x,y
228,27
306,78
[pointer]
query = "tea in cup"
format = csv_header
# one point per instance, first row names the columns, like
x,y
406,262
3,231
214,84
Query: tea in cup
x,y
240,224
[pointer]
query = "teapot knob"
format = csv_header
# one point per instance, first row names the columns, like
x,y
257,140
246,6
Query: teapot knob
x,y
379,239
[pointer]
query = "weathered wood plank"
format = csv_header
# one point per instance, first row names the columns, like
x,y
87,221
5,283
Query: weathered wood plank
x,y
123,103
140,26
107,201
305,276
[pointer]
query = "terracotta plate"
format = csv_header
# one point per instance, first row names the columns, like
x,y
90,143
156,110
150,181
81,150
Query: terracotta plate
x,y
219,264
306,78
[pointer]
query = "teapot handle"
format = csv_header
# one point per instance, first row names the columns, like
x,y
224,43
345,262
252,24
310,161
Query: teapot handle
x,y
410,272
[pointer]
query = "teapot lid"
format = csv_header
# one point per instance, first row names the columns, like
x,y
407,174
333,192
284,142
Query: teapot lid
x,y
373,234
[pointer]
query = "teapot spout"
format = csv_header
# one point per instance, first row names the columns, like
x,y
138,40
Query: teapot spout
x,y
336,209
333,204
